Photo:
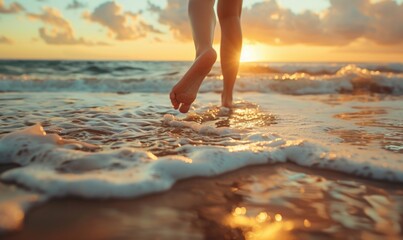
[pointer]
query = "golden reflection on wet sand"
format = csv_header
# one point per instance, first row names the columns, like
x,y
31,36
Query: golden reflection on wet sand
x,y
310,203
338,99
357,137
261,225
371,117
11,216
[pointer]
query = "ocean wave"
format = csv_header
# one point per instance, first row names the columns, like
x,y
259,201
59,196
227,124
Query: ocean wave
x,y
85,68
103,70
349,79
316,69
63,68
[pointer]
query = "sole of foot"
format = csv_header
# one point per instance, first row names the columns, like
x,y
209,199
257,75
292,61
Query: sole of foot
x,y
185,91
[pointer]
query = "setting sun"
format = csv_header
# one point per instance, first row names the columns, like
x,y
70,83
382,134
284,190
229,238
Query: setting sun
x,y
250,54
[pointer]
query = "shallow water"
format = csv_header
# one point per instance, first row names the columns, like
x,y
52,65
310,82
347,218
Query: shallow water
x,y
112,145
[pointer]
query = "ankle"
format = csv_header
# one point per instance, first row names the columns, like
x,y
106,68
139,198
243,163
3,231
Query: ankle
x,y
225,95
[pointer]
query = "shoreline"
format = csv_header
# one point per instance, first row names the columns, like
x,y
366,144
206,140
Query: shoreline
x,y
194,208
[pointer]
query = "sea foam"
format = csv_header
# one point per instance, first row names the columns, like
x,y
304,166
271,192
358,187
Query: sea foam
x,y
56,167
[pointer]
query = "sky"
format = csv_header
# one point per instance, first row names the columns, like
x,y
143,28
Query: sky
x,y
273,30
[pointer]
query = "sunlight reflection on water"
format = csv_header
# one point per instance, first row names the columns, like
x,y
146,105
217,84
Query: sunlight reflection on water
x,y
312,203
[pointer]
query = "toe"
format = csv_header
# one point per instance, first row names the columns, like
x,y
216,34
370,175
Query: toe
x,y
174,102
184,108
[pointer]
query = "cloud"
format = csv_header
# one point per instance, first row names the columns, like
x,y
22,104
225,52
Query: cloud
x,y
121,25
5,40
52,17
13,8
175,16
75,5
267,22
61,32
387,27
344,22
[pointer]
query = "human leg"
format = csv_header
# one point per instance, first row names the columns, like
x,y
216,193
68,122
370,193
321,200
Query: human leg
x,y
229,14
202,19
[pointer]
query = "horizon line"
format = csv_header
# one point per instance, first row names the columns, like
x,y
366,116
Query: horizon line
x,y
156,60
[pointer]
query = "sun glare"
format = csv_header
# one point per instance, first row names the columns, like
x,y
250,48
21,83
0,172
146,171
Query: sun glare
x,y
249,54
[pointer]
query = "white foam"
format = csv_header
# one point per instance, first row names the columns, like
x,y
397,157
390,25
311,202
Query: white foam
x,y
204,129
14,203
57,170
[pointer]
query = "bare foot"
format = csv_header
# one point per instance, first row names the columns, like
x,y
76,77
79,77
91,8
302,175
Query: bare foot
x,y
226,100
185,91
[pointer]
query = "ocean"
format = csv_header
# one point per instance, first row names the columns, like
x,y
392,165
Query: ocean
x,y
105,130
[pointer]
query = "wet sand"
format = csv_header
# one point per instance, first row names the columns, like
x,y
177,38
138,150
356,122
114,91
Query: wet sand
x,y
250,203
